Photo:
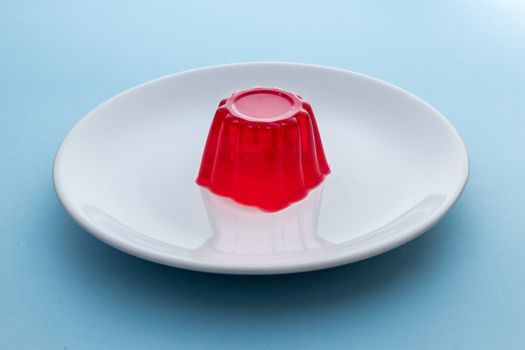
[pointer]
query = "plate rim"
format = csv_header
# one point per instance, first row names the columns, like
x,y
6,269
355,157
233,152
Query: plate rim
x,y
234,268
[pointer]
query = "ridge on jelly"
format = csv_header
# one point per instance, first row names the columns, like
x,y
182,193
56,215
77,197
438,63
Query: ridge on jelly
x,y
263,149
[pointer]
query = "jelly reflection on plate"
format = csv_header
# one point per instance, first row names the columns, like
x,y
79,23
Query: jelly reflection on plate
x,y
243,229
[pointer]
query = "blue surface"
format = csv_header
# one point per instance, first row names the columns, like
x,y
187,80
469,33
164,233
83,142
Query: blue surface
x,y
461,285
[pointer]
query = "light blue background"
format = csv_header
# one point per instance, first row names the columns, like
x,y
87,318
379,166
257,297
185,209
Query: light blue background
x,y
461,285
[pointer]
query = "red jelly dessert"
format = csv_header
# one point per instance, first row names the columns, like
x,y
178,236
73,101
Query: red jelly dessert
x,y
263,149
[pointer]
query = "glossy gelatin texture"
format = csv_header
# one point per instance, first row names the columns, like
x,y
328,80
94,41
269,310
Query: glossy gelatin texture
x,y
263,149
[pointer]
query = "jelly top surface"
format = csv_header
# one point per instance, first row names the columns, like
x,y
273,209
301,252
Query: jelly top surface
x,y
263,104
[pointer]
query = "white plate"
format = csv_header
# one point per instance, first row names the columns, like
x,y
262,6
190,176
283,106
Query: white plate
x,y
126,172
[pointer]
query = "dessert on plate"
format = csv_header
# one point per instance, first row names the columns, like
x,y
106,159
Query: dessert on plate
x,y
263,150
